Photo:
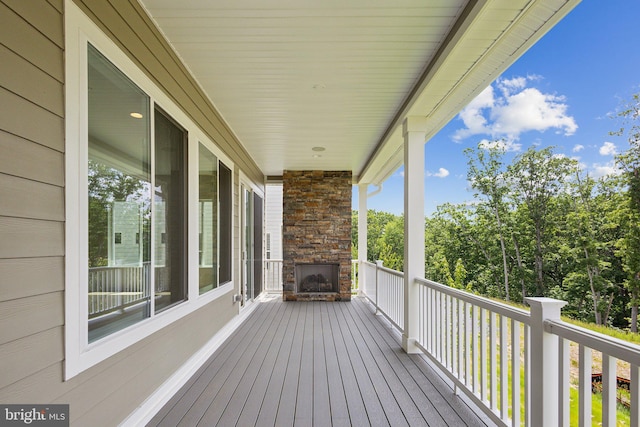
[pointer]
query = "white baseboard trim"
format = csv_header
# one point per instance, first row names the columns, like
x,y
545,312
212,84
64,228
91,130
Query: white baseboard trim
x,y
150,407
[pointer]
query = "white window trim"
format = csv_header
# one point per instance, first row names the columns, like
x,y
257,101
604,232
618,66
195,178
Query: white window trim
x,y
196,138
79,354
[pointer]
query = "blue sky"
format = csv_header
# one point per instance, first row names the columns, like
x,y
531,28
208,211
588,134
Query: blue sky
x,y
563,92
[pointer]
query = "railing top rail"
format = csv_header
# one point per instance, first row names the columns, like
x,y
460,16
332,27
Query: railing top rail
x,y
391,271
612,346
383,268
517,314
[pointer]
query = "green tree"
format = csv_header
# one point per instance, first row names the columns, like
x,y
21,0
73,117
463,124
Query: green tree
x,y
538,176
486,173
390,244
629,163
588,245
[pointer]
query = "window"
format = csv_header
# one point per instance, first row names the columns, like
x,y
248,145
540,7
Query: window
x,y
208,197
119,195
226,223
170,213
215,219
133,264
120,203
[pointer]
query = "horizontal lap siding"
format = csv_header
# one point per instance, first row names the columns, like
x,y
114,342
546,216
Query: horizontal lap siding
x,y
31,199
32,215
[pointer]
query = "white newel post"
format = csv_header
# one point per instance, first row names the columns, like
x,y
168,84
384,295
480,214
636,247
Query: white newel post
x,y
414,132
362,235
544,369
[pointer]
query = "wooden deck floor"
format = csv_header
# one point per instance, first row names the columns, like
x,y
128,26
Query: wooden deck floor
x,y
315,364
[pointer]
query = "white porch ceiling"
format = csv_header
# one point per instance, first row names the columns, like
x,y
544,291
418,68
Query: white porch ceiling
x,y
290,75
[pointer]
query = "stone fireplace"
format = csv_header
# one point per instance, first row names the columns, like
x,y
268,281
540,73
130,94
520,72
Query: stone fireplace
x,y
316,235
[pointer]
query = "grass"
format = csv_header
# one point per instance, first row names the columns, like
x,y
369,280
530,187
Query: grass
x,y
623,415
606,330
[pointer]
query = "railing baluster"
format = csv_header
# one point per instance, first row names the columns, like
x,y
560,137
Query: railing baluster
x,y
434,324
437,329
635,395
527,375
493,374
564,385
461,335
468,337
515,373
609,386
455,334
428,322
483,354
447,331
476,351
454,331
584,386
504,370
443,330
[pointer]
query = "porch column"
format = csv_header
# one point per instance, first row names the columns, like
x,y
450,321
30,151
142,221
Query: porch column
x,y
362,233
414,132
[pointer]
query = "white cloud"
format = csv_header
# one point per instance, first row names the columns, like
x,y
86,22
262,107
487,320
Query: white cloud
x,y
513,110
504,144
607,169
507,86
442,173
578,148
473,117
608,149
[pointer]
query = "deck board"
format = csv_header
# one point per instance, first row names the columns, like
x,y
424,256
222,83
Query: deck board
x,y
315,364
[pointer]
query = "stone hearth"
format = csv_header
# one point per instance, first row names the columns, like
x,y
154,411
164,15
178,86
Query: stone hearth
x,y
316,229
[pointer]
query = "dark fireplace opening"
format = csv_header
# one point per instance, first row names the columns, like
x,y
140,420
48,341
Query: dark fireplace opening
x,y
316,278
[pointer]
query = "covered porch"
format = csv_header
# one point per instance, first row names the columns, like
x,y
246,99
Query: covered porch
x,y
295,364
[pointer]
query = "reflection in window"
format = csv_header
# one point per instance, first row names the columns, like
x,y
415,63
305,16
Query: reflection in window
x,y
170,212
208,196
119,199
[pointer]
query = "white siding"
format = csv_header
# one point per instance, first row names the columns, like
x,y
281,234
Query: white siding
x,y
273,219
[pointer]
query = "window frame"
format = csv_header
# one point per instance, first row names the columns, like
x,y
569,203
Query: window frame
x,y
79,353
219,211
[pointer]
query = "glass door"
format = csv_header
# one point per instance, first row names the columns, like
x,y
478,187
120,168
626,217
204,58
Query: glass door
x,y
247,284
257,244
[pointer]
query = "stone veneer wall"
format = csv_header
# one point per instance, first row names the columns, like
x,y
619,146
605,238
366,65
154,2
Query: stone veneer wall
x,y
316,227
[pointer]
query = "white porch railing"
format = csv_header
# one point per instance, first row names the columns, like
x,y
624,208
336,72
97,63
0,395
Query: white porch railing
x,y
273,275
113,288
385,289
520,367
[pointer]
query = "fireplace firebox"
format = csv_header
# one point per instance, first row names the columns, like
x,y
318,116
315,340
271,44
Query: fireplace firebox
x,y
316,278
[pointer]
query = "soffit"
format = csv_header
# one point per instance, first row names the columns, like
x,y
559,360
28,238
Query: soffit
x,y
290,75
